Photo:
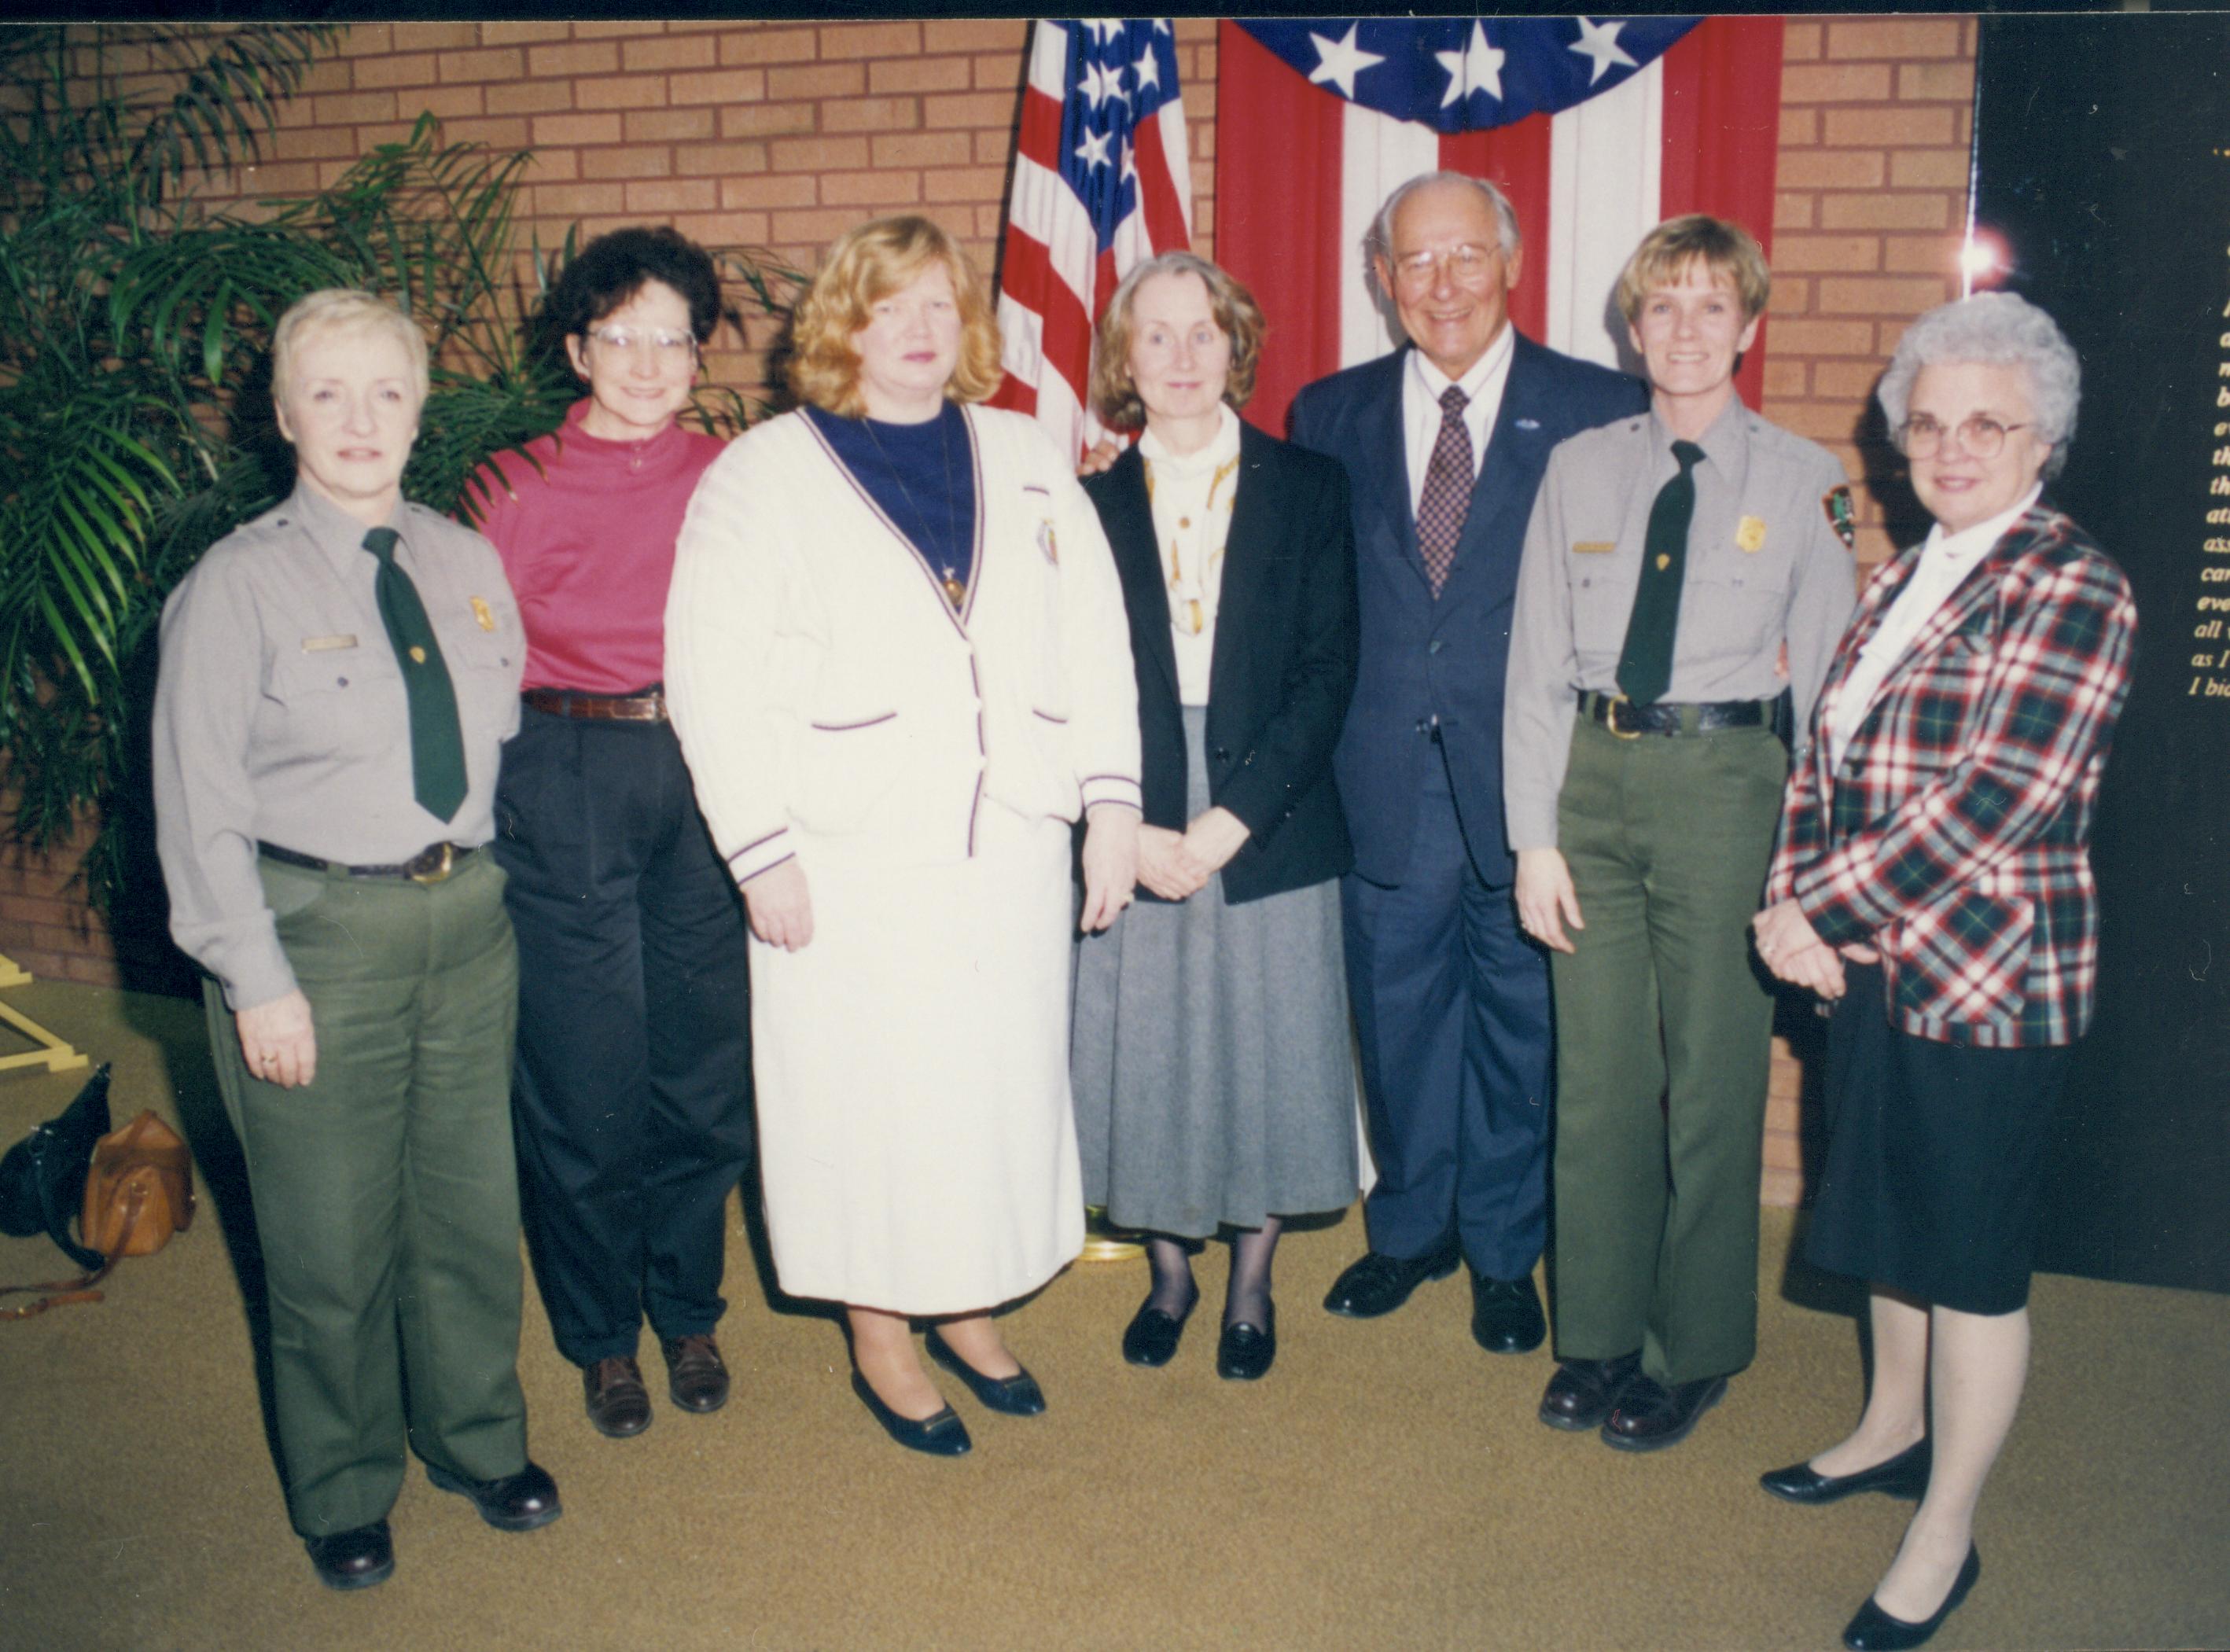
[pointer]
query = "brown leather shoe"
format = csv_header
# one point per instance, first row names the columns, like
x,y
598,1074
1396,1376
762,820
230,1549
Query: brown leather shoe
x,y
696,1376
618,1403
1650,1417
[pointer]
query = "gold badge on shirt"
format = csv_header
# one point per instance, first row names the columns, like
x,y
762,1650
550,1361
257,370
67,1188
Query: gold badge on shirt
x,y
483,613
1045,543
1750,535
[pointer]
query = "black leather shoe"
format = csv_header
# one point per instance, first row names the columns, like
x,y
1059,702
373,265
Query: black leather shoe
x,y
1375,1284
353,1559
618,1403
1505,1315
1015,1396
1650,1417
517,1502
1875,1631
1245,1351
696,1376
1903,1475
1585,1391
942,1435
1151,1337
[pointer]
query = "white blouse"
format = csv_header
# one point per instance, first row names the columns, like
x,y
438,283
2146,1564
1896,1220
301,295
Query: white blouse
x,y
1945,561
1192,494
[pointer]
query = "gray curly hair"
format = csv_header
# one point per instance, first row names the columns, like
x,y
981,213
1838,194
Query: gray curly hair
x,y
2001,329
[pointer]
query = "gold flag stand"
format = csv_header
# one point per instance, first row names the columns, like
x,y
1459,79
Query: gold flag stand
x,y
1105,1245
52,1053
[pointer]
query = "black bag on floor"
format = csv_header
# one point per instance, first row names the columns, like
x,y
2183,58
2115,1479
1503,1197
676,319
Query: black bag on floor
x,y
42,1178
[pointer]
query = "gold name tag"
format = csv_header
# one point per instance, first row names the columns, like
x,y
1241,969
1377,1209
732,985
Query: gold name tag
x,y
319,644
1592,547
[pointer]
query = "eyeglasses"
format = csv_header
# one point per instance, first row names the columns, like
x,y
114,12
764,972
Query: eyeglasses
x,y
1467,265
667,347
1920,437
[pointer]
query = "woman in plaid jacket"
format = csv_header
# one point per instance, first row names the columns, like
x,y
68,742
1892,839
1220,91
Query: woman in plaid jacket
x,y
1932,878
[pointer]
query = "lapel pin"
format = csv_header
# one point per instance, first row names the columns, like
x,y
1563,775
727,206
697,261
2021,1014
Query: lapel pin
x,y
1529,424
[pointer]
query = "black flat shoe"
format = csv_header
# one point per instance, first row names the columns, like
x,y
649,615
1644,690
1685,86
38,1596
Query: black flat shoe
x,y
1151,1337
1374,1283
942,1435
1875,1631
1016,1396
356,1559
517,1502
1245,1351
1903,1475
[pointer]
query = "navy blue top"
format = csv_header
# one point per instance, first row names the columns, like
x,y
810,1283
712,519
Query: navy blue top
x,y
924,477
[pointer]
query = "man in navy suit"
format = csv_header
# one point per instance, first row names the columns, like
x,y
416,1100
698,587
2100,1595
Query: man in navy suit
x,y
1444,444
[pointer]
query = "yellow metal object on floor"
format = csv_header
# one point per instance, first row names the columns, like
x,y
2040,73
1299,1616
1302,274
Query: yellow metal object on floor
x,y
52,1053
1102,1243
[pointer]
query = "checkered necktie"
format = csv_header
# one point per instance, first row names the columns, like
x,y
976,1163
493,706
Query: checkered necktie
x,y
437,740
1447,498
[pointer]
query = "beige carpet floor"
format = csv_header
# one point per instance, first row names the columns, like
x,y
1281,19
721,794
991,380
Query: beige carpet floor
x,y
1386,1486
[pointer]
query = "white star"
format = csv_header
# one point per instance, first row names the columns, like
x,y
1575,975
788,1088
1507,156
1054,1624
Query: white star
x,y
1093,151
1340,62
1161,27
1098,84
1097,27
1146,69
1600,41
1478,67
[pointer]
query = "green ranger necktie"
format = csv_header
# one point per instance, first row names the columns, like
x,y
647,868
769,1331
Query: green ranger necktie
x,y
437,739
1645,664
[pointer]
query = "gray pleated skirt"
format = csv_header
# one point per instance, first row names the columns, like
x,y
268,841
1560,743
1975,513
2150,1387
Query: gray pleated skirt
x,y
1210,1055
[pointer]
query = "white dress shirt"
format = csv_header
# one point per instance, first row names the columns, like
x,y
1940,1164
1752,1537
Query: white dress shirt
x,y
1946,559
1192,494
1422,389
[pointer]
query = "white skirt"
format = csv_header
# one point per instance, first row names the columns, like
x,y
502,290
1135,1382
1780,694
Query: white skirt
x,y
916,1138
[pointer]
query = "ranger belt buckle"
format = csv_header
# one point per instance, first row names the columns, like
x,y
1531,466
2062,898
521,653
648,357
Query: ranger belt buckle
x,y
433,864
1611,703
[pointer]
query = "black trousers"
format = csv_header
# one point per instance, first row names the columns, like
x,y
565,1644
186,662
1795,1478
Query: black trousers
x,y
632,1091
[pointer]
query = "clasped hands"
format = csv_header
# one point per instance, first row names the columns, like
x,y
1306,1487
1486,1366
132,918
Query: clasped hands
x,y
1177,865
1792,949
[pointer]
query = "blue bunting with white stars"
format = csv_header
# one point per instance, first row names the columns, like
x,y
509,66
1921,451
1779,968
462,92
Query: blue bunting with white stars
x,y
1466,73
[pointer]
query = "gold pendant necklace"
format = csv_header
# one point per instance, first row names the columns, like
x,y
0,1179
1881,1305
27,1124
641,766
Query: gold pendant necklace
x,y
955,588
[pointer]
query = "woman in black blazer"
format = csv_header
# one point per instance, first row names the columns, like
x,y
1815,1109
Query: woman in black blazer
x,y
1211,1061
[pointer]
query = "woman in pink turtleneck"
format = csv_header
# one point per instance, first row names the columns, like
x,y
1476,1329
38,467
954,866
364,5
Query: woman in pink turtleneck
x,y
631,1096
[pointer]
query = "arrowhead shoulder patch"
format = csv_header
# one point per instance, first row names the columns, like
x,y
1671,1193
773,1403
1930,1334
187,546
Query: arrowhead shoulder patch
x,y
1842,516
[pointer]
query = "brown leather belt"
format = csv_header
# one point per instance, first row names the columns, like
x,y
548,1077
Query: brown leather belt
x,y
649,707
1629,721
431,864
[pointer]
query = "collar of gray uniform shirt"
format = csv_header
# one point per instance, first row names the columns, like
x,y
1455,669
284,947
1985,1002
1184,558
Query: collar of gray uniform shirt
x,y
336,532
1725,443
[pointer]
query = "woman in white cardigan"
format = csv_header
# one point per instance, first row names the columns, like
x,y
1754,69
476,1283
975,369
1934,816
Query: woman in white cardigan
x,y
897,660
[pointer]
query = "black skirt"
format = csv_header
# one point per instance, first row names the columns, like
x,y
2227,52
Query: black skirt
x,y
1935,1156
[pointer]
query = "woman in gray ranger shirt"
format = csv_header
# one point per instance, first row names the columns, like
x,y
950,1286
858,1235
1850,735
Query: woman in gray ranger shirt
x,y
338,678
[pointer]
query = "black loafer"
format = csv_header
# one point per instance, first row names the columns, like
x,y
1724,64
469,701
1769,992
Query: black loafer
x,y
1650,1417
1245,1351
1375,1284
1505,1315
1875,1631
1015,1396
1151,1337
942,1435
1585,1391
1903,1475
353,1559
516,1502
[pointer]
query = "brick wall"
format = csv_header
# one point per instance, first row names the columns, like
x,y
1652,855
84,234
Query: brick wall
x,y
778,135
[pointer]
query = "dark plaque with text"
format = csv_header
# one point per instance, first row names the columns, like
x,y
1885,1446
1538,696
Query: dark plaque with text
x,y
2103,164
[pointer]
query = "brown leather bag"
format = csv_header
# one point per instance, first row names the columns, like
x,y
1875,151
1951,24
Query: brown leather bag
x,y
139,1191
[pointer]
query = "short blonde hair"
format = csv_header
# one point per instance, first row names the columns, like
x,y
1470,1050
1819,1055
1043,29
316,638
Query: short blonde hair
x,y
1114,396
1723,246
867,264
343,309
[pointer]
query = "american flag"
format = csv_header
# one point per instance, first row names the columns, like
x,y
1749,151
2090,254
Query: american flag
x,y
1101,184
